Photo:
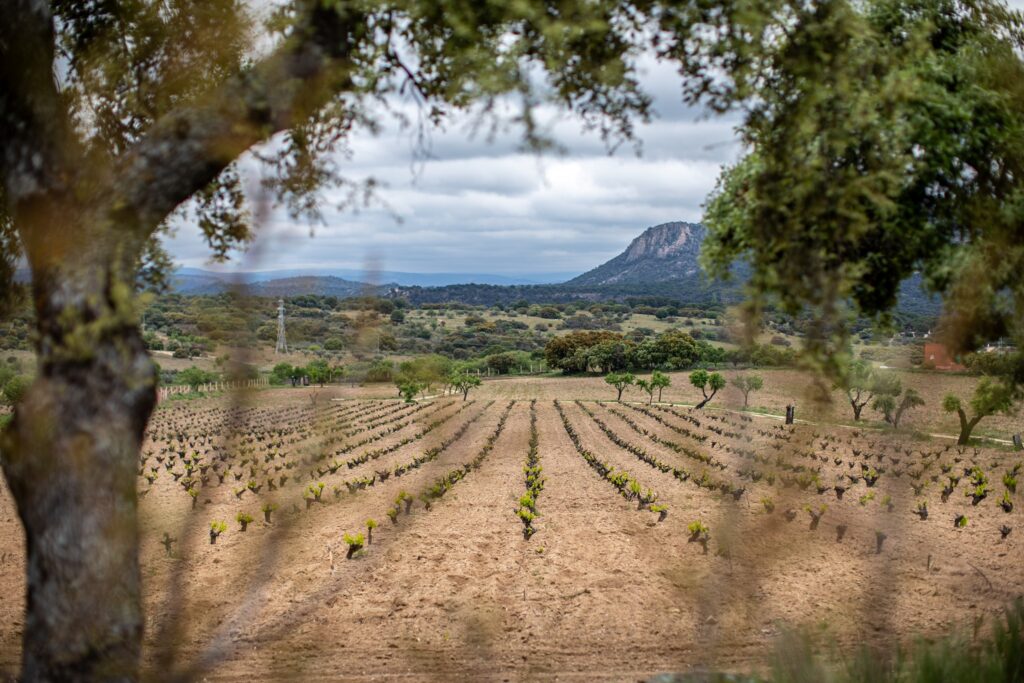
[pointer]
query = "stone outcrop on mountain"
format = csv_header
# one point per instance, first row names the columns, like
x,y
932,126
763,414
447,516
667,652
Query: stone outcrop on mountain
x,y
664,252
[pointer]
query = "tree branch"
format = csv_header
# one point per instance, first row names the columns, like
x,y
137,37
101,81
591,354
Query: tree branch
x,y
34,123
187,149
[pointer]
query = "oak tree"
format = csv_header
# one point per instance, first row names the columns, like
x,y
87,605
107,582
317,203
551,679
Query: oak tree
x,y
747,384
885,141
118,119
705,381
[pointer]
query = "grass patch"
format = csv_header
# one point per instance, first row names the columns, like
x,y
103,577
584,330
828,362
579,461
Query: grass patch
x,y
997,657
192,396
763,410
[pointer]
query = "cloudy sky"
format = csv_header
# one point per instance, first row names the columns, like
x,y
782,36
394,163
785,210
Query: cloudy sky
x,y
483,207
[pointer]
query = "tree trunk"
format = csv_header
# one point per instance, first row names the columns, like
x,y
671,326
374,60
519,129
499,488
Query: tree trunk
x,y
746,398
619,397
70,457
966,427
706,400
857,407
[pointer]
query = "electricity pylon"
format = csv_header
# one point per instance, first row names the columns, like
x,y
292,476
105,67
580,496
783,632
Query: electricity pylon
x,y
282,342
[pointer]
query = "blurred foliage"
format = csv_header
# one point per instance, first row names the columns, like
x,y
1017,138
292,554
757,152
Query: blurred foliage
x,y
885,138
11,293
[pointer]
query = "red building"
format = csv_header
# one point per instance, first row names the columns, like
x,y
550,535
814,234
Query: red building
x,y
937,356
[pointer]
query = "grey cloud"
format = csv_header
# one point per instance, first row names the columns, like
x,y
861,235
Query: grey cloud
x,y
487,207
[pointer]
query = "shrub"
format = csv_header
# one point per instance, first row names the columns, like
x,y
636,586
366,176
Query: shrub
x,y
243,519
15,388
216,529
313,494
816,515
268,509
699,533
355,544
661,509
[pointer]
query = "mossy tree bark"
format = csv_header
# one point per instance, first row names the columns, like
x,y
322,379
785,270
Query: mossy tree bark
x,y
967,426
70,457
83,220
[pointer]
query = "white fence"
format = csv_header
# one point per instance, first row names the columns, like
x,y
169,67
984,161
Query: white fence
x,y
165,392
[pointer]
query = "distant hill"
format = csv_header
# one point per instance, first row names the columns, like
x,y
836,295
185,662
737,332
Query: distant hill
x,y
199,281
662,262
664,252
202,283
322,286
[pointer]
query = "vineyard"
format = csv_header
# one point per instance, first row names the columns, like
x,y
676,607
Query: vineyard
x,y
305,536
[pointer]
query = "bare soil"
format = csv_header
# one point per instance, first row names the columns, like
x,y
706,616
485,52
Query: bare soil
x,y
602,591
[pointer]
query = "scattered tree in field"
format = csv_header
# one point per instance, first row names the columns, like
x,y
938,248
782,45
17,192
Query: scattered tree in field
x,y
660,381
990,397
747,384
425,371
620,380
647,387
282,373
704,381
408,389
320,372
861,383
893,407
657,382
463,382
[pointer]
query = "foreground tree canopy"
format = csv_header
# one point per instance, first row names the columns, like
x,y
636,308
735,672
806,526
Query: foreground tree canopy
x,y
885,139
882,134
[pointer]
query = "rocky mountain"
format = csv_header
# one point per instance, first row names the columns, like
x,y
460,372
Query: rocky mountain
x,y
664,252
662,262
